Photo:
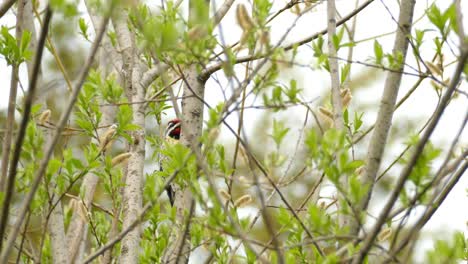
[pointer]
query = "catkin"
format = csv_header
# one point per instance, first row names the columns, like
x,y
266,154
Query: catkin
x,y
225,194
106,138
326,112
434,69
347,100
360,171
243,200
243,18
44,117
384,234
121,158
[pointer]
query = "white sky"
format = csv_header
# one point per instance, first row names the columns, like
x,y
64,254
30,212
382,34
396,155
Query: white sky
x,y
374,20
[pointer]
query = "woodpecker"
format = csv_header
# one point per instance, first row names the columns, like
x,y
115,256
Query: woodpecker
x,y
172,136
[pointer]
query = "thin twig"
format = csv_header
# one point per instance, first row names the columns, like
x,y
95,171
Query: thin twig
x,y
63,121
22,132
412,161
214,68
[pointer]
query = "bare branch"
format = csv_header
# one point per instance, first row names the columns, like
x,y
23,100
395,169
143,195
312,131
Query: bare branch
x,y
334,70
387,105
63,120
221,12
412,161
10,183
217,66
460,26
433,206
6,5
6,147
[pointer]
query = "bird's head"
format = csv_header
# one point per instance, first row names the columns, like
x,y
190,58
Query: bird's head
x,y
173,129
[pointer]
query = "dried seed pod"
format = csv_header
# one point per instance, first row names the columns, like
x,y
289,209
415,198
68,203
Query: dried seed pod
x,y
265,38
434,69
347,99
243,18
436,85
213,134
344,92
326,112
360,171
225,194
326,118
121,158
308,3
106,139
447,82
296,9
243,200
384,234
44,117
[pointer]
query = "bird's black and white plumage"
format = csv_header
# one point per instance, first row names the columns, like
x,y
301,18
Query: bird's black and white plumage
x,y
172,136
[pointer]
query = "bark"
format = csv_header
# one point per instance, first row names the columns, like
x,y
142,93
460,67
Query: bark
x,y
56,229
387,105
131,74
192,124
55,223
221,12
78,227
132,198
334,70
108,56
23,22
179,246
24,207
344,219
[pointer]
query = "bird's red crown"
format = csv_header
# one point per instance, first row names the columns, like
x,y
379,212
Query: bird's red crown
x,y
173,128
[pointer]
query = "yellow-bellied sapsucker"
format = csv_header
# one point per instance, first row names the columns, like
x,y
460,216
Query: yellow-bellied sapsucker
x,y
171,136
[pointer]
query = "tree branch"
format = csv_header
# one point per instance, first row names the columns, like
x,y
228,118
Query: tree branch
x,y
10,181
387,105
6,6
61,124
413,159
218,66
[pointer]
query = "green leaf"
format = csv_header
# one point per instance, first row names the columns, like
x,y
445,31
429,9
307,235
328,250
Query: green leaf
x,y
419,38
83,28
346,117
293,91
14,52
345,72
378,51
279,132
357,122
317,46
439,19
337,38
262,10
